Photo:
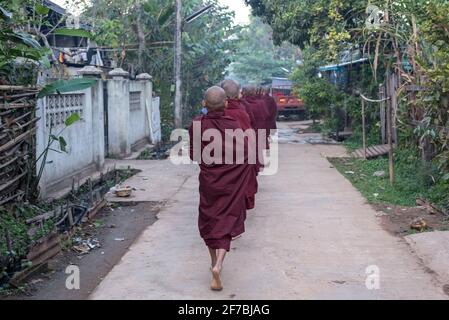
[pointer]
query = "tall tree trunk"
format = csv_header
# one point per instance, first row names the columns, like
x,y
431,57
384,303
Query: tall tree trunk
x,y
140,37
178,55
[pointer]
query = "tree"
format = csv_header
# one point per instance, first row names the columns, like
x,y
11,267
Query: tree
x,y
257,59
408,37
141,35
326,24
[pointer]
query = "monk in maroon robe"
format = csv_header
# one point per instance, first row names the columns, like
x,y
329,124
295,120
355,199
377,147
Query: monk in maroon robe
x,y
223,186
272,107
236,110
255,104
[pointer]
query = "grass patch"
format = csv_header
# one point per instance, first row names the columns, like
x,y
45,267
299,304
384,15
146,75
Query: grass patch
x,y
412,180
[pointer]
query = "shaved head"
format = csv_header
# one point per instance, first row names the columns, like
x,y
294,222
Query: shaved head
x,y
215,99
232,88
249,91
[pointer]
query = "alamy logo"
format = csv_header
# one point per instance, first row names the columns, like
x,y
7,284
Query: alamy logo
x,y
372,281
376,17
213,146
72,282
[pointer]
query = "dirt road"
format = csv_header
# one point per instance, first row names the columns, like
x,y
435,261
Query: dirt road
x,y
312,236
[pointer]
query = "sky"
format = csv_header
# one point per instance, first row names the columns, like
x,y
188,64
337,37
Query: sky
x,y
242,12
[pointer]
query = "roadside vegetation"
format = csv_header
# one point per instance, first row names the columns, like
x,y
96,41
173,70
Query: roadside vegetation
x,y
406,38
413,180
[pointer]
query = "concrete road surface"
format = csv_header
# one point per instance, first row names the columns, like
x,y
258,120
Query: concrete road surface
x,y
312,236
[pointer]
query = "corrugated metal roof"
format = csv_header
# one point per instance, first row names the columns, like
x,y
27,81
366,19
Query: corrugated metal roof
x,y
340,65
283,83
53,6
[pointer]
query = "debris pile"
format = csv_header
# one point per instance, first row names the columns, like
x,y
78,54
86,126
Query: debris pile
x,y
86,245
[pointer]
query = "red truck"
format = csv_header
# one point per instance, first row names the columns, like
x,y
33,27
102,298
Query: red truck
x,y
288,103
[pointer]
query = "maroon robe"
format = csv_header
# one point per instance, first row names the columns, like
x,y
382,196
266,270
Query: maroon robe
x,y
272,111
237,111
223,188
257,107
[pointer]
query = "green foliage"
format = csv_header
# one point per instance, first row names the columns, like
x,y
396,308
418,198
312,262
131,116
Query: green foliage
x,y
435,64
52,138
72,33
208,45
14,44
413,41
24,28
413,179
13,222
61,86
257,59
325,24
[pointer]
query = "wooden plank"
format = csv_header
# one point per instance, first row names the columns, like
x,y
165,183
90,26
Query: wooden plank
x,y
4,165
9,106
378,150
355,154
10,183
42,217
372,151
18,194
17,88
18,139
384,149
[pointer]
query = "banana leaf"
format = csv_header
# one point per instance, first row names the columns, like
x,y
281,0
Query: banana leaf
x,y
62,86
73,32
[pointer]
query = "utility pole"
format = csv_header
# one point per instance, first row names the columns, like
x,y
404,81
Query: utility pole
x,y
178,57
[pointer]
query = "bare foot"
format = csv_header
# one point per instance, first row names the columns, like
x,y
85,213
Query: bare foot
x,y
216,284
236,237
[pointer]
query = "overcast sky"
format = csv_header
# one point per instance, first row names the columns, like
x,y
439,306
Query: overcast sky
x,y
242,12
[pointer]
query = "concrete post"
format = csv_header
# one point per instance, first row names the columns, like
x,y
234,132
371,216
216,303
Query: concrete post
x,y
41,142
148,94
97,114
118,113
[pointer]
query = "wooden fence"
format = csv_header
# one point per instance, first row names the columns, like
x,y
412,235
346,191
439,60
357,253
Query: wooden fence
x,y
17,141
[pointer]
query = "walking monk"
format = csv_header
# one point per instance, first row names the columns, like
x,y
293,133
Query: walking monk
x,y
236,110
222,185
272,109
253,102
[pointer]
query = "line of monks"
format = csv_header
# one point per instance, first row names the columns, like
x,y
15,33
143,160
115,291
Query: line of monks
x,y
228,191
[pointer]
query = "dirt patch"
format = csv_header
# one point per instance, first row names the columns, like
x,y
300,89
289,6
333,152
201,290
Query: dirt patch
x,y
160,152
397,219
115,228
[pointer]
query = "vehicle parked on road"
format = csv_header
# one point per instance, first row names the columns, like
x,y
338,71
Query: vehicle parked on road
x,y
288,103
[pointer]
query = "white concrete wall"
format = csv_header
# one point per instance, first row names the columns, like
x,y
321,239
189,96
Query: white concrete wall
x,y
156,121
127,125
118,118
85,138
129,104
139,128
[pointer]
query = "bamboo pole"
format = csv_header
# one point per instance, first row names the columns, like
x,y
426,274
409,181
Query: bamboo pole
x,y
383,119
390,92
16,88
8,106
178,65
364,129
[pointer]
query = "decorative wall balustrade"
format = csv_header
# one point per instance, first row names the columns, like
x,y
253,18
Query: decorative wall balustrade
x,y
59,107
